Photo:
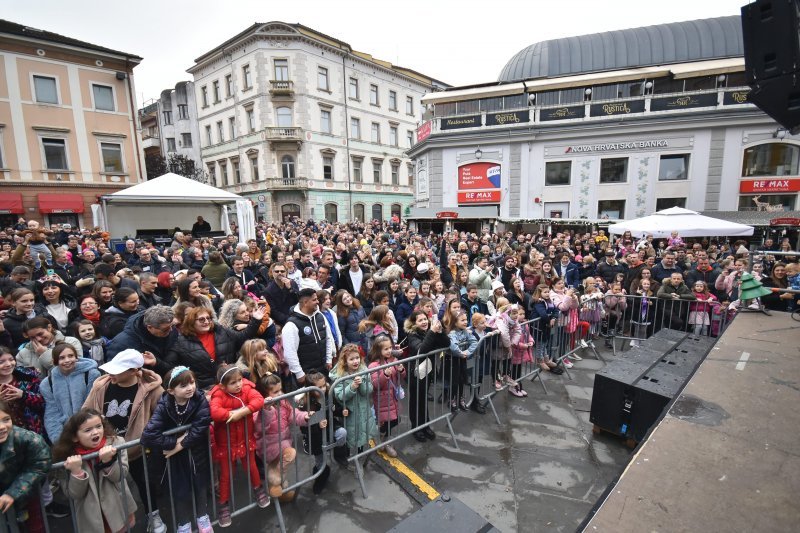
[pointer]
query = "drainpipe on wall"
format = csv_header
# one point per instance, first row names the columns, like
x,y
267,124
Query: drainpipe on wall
x,y
347,139
137,130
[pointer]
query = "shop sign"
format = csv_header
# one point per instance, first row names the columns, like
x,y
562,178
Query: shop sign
x,y
479,197
505,119
611,147
562,113
617,108
736,97
447,214
785,222
482,175
770,185
688,101
455,123
62,211
424,131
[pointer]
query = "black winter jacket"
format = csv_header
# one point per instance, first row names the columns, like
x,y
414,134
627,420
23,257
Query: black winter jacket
x,y
189,351
136,336
14,322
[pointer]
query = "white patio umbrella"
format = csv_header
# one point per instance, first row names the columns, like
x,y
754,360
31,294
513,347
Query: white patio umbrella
x,y
686,222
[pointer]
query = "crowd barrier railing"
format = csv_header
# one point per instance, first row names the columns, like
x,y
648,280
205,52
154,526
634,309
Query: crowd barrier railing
x,y
159,473
376,420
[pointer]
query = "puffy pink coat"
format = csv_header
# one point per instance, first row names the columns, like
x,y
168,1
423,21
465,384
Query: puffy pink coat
x,y
519,353
274,428
386,406
508,329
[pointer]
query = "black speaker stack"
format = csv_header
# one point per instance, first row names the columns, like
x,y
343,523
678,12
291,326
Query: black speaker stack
x,y
631,393
771,38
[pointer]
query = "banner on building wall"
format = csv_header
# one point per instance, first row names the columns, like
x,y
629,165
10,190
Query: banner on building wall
x,y
479,176
507,119
736,97
424,131
770,185
617,108
455,123
562,113
671,103
479,183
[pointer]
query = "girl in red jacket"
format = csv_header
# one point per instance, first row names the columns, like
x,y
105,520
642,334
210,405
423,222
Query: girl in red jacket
x,y
233,402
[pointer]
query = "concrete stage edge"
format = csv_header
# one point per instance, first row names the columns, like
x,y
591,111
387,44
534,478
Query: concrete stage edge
x,y
726,457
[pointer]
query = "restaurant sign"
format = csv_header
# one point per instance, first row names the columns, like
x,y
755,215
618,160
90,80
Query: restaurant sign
x,y
736,97
671,103
562,113
508,118
617,108
455,123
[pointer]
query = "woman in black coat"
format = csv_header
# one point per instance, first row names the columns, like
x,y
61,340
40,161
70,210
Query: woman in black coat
x,y
424,335
203,345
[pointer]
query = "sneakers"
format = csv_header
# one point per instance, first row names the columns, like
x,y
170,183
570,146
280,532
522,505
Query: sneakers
x,y
557,371
523,392
322,480
497,384
429,433
567,363
463,405
262,500
204,525
224,515
583,345
478,407
576,356
454,406
420,436
185,528
516,392
390,451
510,381
155,524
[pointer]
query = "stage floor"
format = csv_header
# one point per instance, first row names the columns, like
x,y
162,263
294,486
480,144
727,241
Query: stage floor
x,y
727,455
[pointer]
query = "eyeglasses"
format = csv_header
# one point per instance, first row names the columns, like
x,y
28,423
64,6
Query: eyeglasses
x,y
203,319
279,271
89,304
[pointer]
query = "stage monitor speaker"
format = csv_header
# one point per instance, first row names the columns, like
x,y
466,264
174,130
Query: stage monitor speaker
x,y
771,38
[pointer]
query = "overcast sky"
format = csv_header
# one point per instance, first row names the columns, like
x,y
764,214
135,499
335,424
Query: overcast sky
x,y
460,43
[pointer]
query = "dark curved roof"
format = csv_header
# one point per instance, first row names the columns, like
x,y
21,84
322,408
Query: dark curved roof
x,y
662,44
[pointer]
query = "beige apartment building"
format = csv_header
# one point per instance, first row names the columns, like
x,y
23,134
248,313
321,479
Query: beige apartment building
x,y
68,130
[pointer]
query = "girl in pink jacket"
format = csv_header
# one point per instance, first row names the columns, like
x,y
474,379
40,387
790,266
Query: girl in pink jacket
x,y
274,435
386,388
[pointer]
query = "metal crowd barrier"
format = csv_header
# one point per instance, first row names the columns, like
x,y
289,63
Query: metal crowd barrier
x,y
415,411
238,505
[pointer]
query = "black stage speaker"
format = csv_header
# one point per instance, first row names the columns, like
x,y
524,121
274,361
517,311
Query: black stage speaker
x,y
632,391
771,35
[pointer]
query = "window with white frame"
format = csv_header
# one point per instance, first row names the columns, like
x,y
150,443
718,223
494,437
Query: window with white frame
x,y
55,154
395,173
247,77
355,128
281,70
220,132
325,121
322,79
409,105
376,132
409,138
373,94
171,147
393,136
393,100
284,117
352,88
614,170
254,168
204,95
183,112
186,140
232,127
209,140
112,156
673,167
103,97
327,167
377,165
287,169
223,174
357,165
251,120
215,91
228,85
237,177
45,89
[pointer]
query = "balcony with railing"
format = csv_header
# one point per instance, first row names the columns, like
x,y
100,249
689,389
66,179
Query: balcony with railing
x,y
285,184
281,88
285,134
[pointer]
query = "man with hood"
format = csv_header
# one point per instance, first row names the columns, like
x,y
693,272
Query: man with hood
x,y
307,346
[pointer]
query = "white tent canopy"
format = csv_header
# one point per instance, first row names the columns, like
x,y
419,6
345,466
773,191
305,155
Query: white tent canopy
x,y
171,201
686,222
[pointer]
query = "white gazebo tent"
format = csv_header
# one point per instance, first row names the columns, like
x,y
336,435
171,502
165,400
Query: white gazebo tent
x,y
171,201
686,222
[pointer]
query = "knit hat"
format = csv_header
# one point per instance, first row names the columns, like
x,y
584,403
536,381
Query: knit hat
x,y
497,284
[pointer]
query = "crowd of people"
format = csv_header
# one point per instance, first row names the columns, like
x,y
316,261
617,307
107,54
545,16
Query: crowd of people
x,y
100,346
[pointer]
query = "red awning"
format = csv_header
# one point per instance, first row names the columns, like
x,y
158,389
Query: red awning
x,y
60,203
11,203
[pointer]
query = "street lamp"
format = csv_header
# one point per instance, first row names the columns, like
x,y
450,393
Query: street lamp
x,y
478,153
